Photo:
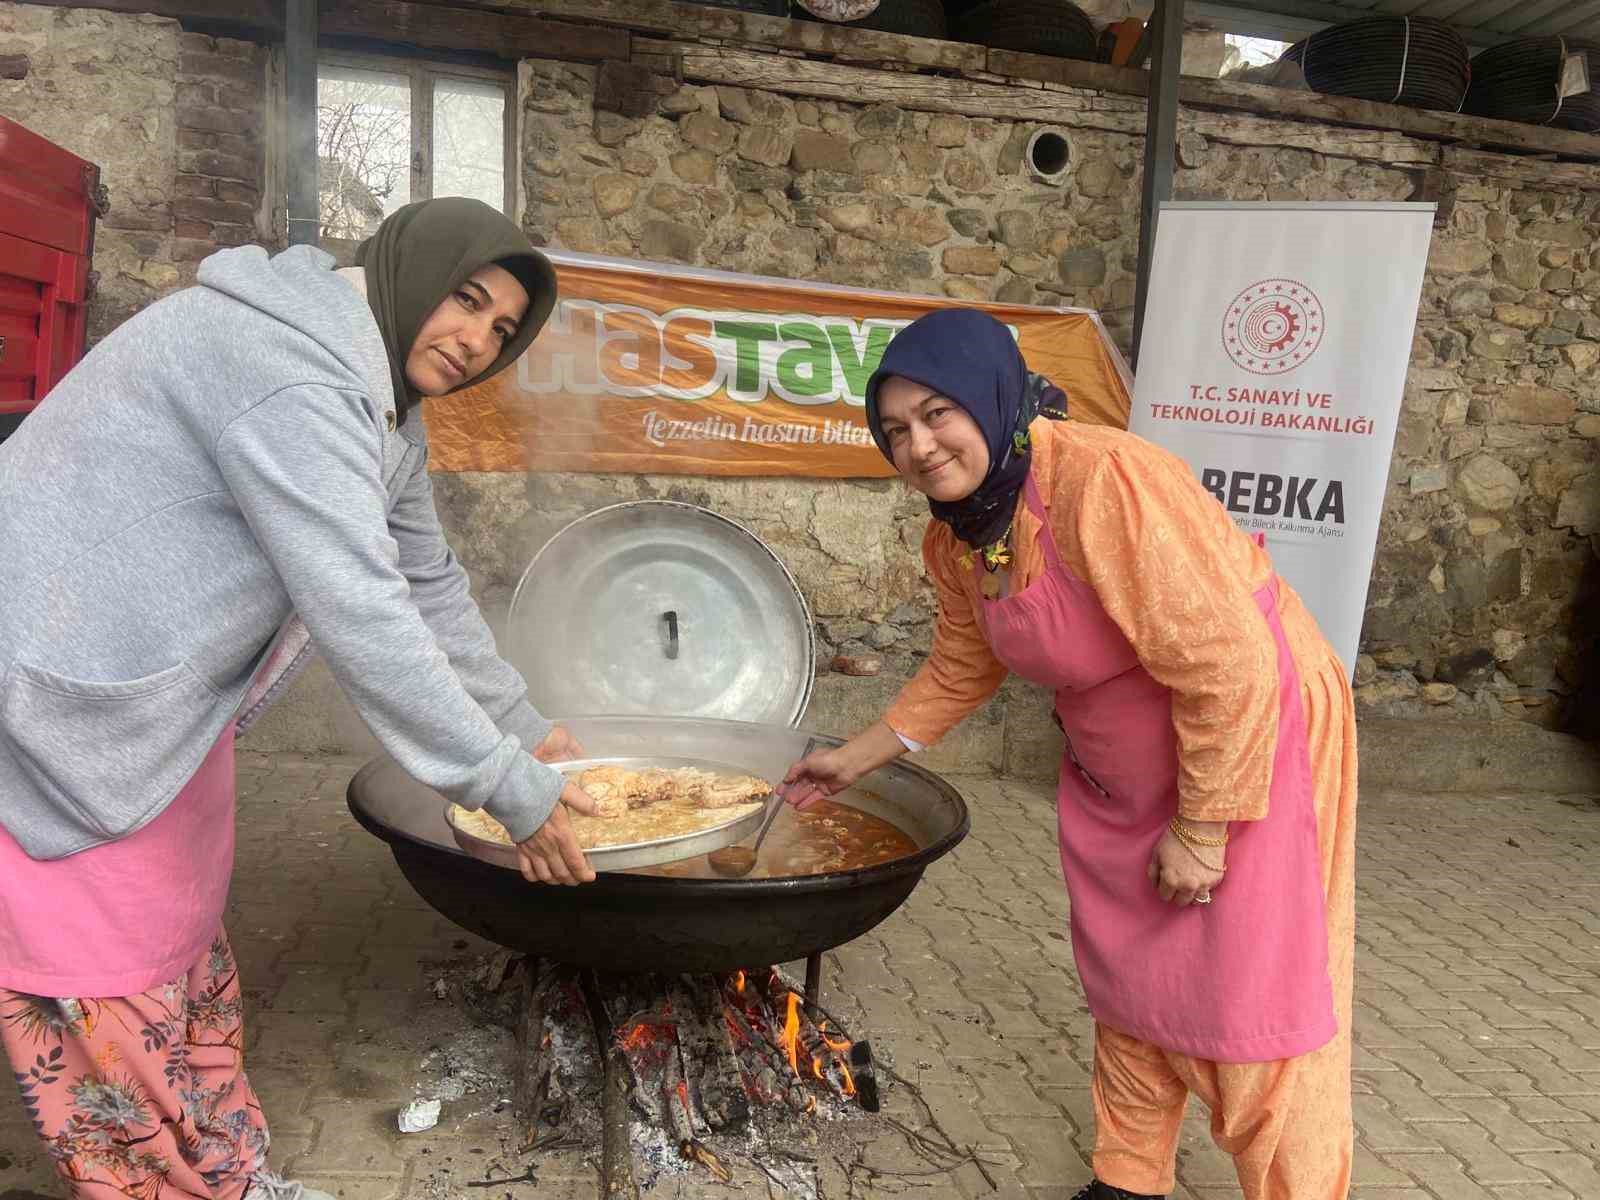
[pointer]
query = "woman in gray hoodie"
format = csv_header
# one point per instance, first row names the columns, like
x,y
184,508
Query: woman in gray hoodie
x,y
234,475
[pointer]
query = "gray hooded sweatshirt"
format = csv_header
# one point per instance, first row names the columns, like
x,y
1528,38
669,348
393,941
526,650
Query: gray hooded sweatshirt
x,y
224,459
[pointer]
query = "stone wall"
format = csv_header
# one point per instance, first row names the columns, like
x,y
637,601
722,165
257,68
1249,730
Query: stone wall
x,y
175,121
104,86
1478,597
1484,552
1481,600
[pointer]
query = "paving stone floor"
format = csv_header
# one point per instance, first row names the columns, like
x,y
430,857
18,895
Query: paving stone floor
x,y
1477,1073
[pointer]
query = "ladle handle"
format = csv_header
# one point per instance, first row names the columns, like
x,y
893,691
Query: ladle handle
x,y
777,799
671,618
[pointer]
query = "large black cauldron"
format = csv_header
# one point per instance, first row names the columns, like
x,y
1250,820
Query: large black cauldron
x,y
627,922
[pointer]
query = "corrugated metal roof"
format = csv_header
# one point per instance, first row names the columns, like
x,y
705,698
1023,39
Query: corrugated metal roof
x,y
1479,21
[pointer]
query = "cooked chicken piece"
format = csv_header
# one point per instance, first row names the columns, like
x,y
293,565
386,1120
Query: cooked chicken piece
x,y
651,786
607,783
726,791
611,807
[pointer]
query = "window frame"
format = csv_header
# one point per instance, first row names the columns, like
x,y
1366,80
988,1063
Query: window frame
x,y
423,72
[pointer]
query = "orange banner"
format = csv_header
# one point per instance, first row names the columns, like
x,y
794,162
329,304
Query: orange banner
x,y
650,368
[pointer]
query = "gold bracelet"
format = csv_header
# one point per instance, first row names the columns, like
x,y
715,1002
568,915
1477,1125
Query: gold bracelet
x,y
1183,831
1195,854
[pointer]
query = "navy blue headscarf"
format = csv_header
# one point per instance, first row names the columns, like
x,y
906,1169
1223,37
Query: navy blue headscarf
x,y
969,357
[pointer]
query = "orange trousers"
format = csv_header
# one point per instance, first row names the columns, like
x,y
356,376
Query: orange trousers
x,y
1286,1123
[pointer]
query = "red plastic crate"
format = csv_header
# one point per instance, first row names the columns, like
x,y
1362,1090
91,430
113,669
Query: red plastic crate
x,y
48,203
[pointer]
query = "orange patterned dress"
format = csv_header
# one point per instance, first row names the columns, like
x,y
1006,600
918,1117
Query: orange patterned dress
x,y
1177,577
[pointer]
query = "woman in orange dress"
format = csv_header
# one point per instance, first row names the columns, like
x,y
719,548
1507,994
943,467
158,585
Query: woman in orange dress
x,y
1206,804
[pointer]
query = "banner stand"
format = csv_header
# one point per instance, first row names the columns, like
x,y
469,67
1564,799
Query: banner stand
x,y
1276,341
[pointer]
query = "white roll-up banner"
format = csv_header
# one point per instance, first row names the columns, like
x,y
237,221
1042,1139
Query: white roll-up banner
x,y
1273,361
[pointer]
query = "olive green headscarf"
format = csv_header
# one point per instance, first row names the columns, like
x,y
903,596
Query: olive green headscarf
x,y
425,252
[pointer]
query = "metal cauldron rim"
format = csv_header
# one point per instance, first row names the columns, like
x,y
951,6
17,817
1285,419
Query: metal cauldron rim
x,y
624,882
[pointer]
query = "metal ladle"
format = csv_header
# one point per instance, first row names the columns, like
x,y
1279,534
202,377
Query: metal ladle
x,y
736,861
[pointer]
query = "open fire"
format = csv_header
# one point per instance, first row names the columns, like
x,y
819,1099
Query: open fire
x,y
684,1073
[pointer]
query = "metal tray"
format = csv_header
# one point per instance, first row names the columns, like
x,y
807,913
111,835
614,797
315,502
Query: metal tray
x,y
629,854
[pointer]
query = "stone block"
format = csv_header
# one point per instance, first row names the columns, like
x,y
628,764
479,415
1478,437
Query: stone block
x,y
1459,256
972,260
1430,479
815,151
1519,266
850,218
1017,228
968,222
1528,405
1097,177
612,129
1017,291
614,193
966,173
1469,300
921,226
765,145
1082,266
965,290
1579,509
1499,343
708,132
1581,356
694,166
947,130
1519,316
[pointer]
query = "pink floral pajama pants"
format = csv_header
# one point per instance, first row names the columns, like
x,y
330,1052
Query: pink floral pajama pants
x,y
142,1096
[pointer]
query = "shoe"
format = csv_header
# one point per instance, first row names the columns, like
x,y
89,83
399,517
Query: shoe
x,y
1104,1191
269,1185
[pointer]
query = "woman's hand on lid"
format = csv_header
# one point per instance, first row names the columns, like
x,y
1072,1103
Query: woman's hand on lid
x,y
1179,872
552,854
559,746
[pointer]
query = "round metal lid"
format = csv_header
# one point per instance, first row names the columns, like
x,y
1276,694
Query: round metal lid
x,y
654,607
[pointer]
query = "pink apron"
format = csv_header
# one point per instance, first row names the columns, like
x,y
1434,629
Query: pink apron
x,y
1243,979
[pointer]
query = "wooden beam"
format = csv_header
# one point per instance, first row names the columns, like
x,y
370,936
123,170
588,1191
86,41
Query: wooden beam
x,y
1073,108
263,15
1534,172
1226,94
861,85
666,18
506,35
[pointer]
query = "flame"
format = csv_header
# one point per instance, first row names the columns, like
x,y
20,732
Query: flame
x,y
840,1046
738,982
789,1040
641,1034
816,1067
683,1094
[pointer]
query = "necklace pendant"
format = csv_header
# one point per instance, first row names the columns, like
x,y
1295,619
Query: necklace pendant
x,y
990,586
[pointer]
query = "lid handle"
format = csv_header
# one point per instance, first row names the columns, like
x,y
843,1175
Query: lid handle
x,y
671,618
